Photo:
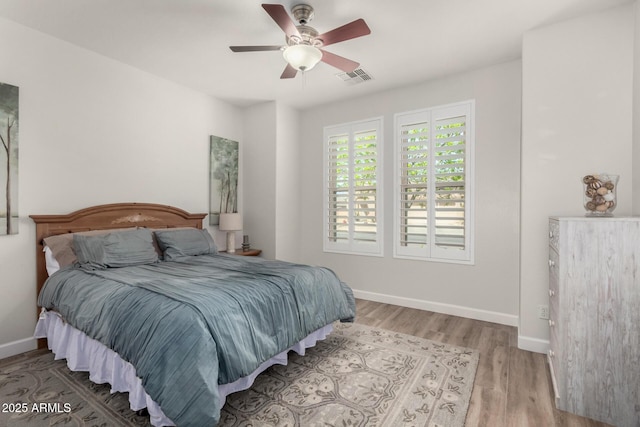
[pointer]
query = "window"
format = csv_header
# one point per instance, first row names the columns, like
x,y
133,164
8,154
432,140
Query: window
x,y
353,188
433,209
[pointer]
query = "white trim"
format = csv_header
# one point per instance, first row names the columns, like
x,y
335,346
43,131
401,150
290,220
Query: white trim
x,y
423,259
535,345
16,347
438,307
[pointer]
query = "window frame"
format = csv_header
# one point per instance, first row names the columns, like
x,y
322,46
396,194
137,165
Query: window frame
x,y
430,251
354,246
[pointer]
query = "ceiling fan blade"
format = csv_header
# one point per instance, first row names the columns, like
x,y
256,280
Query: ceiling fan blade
x,y
339,62
289,72
357,28
279,14
253,48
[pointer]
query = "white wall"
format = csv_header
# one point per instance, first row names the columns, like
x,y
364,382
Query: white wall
x,y
270,170
487,290
258,152
577,120
95,131
287,184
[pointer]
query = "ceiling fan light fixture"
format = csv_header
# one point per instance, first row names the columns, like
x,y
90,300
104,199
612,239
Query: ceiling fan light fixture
x,y
302,57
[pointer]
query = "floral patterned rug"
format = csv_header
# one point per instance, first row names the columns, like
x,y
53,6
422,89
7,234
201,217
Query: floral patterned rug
x,y
361,376
38,391
358,376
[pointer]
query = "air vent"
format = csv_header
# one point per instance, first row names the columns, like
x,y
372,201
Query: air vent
x,y
356,76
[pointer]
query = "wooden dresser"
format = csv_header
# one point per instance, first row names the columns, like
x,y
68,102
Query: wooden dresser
x,y
594,299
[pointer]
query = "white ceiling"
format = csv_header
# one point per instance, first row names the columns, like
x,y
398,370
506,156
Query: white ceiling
x,y
187,41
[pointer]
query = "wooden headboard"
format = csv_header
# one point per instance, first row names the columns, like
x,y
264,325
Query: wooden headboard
x,y
105,217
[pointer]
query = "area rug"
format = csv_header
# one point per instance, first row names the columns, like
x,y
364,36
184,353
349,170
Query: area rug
x,y
358,376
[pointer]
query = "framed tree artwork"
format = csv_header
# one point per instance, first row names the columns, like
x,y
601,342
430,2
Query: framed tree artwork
x,y
223,178
8,159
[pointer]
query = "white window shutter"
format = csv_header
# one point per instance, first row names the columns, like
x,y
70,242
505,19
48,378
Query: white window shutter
x,y
434,184
353,198
412,205
337,188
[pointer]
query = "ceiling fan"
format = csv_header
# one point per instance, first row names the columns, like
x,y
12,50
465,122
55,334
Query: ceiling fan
x,y
304,45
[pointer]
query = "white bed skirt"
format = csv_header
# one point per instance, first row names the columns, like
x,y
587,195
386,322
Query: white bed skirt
x,y
106,366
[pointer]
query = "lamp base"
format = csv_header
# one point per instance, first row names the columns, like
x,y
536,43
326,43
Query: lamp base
x,y
231,242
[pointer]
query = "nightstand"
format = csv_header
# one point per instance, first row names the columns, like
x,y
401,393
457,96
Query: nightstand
x,y
250,252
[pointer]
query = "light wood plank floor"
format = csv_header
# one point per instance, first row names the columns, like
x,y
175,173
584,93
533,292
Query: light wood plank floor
x,y
512,386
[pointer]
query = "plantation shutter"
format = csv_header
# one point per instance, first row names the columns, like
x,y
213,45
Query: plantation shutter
x,y
352,191
338,188
365,157
449,169
433,209
413,227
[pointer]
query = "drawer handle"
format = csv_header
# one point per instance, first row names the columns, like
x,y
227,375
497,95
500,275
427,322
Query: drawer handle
x,y
552,293
552,323
552,353
552,263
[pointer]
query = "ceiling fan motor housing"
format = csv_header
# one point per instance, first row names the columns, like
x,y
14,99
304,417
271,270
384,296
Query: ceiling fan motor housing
x,y
307,36
302,13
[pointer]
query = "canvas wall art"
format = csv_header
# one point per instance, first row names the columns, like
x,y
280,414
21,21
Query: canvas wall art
x,y
8,159
223,180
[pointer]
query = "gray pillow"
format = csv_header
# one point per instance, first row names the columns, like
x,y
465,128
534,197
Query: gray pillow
x,y
61,245
185,242
119,249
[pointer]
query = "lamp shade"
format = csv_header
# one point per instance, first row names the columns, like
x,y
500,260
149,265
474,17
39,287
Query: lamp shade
x,y
302,57
230,221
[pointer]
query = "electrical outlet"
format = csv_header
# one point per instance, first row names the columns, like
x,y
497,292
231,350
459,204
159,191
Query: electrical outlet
x,y
543,312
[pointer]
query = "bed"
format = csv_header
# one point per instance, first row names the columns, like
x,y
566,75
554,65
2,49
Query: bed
x,y
150,306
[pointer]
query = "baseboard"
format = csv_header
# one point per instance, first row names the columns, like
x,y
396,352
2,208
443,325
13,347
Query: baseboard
x,y
535,345
454,310
17,347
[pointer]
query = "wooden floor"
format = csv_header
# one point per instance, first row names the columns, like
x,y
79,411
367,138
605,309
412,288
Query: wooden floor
x,y
512,386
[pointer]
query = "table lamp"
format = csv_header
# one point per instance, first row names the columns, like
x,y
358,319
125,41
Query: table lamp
x,y
231,222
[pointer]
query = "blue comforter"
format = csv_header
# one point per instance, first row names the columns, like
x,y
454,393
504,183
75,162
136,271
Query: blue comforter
x,y
189,325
